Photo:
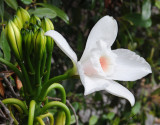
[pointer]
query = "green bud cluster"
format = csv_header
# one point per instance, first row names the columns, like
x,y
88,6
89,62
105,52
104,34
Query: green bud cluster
x,y
33,52
29,45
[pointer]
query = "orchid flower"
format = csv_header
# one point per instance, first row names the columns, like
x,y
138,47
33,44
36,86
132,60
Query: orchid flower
x,y
99,66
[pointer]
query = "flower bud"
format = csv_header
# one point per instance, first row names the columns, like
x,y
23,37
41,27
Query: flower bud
x,y
39,41
28,42
61,118
17,21
35,20
26,25
14,39
33,27
23,14
47,25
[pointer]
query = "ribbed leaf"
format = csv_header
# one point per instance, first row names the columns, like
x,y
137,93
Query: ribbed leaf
x,y
41,12
5,47
12,3
60,13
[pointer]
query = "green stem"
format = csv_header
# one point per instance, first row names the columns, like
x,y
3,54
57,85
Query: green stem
x,y
30,66
31,112
55,86
11,66
15,121
38,78
50,117
17,102
53,80
26,77
60,105
40,121
48,65
18,108
43,63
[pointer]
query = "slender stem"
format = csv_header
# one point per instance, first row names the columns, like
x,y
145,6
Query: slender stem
x,y
15,121
17,102
50,117
11,66
55,86
40,121
30,66
43,63
48,65
18,108
31,112
26,77
38,79
47,84
60,105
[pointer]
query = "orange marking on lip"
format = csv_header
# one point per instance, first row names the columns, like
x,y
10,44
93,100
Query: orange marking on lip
x,y
104,63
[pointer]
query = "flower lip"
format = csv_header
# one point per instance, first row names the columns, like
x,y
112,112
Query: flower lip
x,y
104,63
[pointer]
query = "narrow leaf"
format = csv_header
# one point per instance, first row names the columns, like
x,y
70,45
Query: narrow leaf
x,y
12,3
5,47
1,8
60,13
27,1
136,19
41,12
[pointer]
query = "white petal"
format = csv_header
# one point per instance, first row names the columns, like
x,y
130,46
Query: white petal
x,y
105,29
62,44
90,83
120,91
93,84
129,66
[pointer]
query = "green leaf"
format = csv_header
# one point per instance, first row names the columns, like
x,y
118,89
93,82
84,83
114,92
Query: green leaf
x,y
27,1
136,108
136,19
41,12
75,105
60,13
109,116
116,121
12,3
146,9
1,8
93,120
5,47
157,3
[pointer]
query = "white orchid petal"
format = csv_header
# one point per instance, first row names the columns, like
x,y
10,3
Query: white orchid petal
x,y
62,44
105,29
120,91
90,83
129,66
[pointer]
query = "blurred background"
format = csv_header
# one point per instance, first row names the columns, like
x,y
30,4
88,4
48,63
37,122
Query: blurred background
x,y
138,30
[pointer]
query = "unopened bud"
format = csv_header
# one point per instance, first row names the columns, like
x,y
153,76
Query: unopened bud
x,y
23,14
14,39
17,21
28,42
46,26
39,43
35,20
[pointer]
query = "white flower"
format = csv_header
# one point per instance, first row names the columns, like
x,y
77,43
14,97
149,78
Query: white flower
x,y
99,66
